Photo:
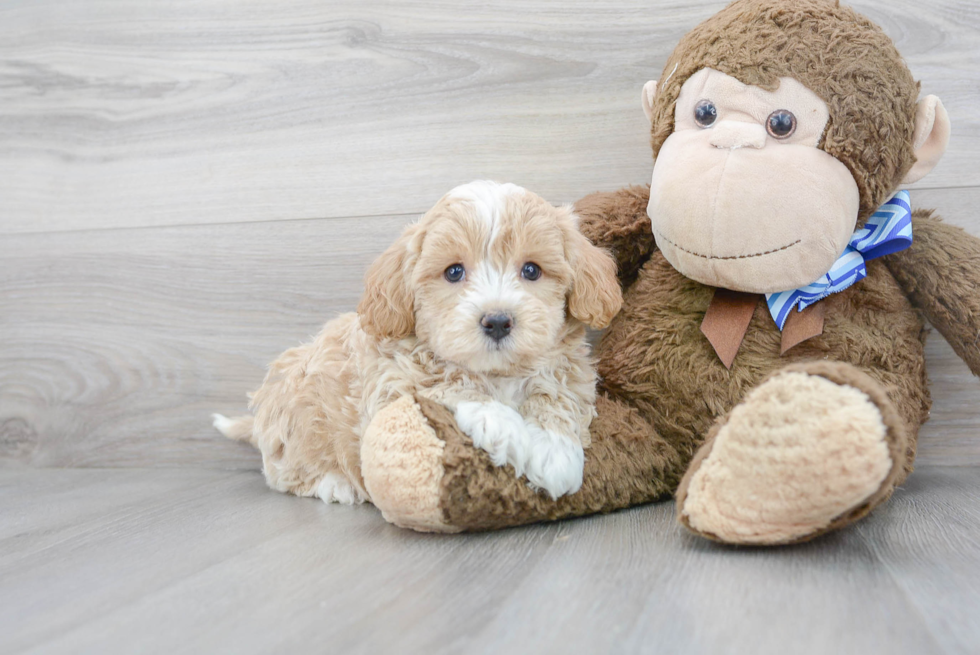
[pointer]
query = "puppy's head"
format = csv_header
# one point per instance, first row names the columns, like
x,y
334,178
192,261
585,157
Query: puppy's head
x,y
489,277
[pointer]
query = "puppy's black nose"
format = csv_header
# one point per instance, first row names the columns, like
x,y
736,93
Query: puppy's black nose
x,y
496,326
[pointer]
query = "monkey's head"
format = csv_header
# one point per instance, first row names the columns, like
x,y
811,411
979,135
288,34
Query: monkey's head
x,y
778,127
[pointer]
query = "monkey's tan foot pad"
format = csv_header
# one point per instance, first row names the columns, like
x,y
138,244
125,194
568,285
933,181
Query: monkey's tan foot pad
x,y
402,465
811,449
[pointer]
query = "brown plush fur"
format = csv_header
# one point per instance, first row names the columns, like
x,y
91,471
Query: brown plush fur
x,y
848,62
619,220
655,357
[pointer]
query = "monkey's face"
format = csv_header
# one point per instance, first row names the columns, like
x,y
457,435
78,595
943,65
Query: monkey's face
x,y
742,197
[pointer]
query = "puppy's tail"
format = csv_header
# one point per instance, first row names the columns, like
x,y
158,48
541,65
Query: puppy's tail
x,y
239,429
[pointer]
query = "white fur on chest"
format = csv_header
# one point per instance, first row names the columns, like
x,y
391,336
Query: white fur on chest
x,y
407,367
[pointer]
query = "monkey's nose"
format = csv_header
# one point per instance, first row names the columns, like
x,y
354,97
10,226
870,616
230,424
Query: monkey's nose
x,y
737,134
496,326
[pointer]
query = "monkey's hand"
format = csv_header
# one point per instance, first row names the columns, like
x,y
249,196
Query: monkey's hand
x,y
940,274
618,222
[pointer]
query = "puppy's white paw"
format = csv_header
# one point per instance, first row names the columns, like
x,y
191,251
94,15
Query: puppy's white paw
x,y
497,429
335,488
555,462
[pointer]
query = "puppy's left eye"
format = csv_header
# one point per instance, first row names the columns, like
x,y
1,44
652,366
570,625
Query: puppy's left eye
x,y
530,271
454,273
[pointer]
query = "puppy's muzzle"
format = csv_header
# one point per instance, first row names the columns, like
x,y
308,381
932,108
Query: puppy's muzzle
x,y
496,326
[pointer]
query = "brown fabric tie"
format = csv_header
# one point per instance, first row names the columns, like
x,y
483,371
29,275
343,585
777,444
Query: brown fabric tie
x,y
726,321
800,326
730,312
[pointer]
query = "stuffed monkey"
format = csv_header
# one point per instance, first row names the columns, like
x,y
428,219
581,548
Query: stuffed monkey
x,y
767,367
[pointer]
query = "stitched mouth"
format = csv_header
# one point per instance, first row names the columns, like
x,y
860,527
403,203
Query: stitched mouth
x,y
757,254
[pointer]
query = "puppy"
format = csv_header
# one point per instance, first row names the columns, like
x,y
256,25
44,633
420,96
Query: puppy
x,y
482,306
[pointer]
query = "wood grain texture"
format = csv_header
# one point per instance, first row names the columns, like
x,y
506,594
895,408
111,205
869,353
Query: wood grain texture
x,y
117,345
207,561
928,542
115,114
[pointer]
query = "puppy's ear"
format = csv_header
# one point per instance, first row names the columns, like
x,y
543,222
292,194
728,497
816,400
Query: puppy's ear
x,y
595,296
387,309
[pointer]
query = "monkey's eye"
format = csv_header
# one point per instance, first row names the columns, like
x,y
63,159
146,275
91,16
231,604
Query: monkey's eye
x,y
530,271
455,273
781,123
705,113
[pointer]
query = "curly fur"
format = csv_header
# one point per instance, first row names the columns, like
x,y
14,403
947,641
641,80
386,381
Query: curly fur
x,y
416,332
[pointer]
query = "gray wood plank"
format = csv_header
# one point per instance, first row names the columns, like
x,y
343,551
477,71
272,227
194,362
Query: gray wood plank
x,y
138,335
928,538
61,575
116,345
120,114
225,565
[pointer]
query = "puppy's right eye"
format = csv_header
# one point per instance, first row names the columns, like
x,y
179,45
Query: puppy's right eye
x,y
455,273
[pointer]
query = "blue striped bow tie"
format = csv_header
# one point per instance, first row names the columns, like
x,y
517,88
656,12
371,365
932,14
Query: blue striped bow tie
x,y
888,230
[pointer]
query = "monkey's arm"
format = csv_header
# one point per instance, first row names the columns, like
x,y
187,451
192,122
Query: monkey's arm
x,y
940,274
618,221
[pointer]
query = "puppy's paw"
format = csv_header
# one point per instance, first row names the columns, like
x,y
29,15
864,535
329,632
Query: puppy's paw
x,y
555,462
497,429
335,488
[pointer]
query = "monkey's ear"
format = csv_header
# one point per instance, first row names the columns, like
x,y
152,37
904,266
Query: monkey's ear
x,y
930,138
649,93
387,308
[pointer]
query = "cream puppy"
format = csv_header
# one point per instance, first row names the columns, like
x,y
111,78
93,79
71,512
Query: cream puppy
x,y
481,305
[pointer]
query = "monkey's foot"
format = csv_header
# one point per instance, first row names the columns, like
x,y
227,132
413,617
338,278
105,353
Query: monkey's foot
x,y
813,448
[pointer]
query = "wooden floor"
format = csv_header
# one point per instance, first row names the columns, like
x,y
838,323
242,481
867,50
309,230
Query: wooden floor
x,y
187,188
176,561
